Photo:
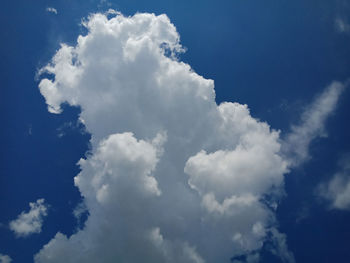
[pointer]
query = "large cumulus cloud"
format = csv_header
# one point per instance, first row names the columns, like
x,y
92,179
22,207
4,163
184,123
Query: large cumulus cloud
x,y
172,176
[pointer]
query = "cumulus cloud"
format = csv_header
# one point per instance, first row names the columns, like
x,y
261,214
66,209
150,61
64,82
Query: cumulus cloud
x,y
5,259
51,10
171,176
337,190
28,223
312,125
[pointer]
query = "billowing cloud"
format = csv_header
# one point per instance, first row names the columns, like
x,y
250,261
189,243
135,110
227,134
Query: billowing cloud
x,y
51,10
28,223
337,190
312,125
5,259
171,176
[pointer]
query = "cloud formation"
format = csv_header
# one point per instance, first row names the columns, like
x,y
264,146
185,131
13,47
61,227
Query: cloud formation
x,y
51,10
312,125
342,25
28,223
337,190
5,259
172,176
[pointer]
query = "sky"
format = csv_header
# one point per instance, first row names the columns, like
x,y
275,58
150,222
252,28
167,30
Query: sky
x,y
175,131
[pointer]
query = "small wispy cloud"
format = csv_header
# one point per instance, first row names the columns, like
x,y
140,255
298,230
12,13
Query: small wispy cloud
x,y
337,190
79,212
312,124
51,10
342,25
28,223
70,126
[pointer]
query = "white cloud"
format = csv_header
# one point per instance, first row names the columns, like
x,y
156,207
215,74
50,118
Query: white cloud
x,y
172,176
342,25
5,259
296,143
337,190
51,10
28,223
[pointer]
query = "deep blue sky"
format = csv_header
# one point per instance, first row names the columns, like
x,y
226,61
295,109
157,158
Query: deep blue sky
x,y
274,56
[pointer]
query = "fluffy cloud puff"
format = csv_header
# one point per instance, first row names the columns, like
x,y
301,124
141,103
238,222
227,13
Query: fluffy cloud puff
x,y
172,176
5,259
28,223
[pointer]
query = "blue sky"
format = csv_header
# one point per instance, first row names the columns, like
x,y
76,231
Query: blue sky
x,y
276,57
